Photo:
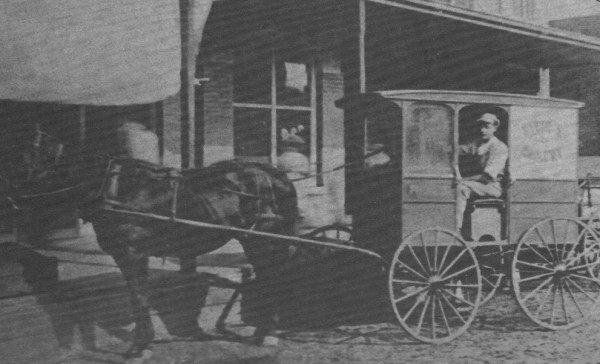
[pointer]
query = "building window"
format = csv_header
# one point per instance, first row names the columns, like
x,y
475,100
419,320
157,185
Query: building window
x,y
272,92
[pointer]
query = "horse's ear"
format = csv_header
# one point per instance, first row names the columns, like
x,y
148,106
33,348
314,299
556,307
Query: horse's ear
x,y
293,131
284,134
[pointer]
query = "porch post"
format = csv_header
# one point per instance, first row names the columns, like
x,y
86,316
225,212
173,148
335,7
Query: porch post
x,y
544,90
188,70
361,44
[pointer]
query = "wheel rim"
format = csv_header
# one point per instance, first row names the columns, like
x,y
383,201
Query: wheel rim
x,y
551,273
434,285
590,240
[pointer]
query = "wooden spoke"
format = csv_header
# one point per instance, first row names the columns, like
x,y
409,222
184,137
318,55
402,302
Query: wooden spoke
x,y
435,251
534,265
540,255
536,277
537,289
595,280
420,324
446,324
446,278
452,307
425,252
573,297
444,257
582,290
411,294
459,298
433,315
546,244
412,251
562,250
412,309
587,265
550,290
410,269
563,299
409,282
554,294
453,262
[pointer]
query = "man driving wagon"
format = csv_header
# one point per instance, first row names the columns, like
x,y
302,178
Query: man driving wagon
x,y
487,166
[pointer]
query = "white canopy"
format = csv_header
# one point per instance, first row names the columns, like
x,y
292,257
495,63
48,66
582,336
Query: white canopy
x,y
90,52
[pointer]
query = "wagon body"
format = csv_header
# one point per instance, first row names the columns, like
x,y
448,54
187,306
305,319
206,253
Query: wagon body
x,y
421,130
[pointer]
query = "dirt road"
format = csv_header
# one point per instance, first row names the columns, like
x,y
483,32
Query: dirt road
x,y
501,334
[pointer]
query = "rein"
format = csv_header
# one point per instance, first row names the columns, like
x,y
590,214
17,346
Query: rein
x,y
341,166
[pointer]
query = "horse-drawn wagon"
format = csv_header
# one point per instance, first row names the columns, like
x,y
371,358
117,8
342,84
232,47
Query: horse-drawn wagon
x,y
440,272
404,211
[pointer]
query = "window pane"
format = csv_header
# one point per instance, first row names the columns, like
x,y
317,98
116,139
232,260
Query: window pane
x,y
293,122
252,77
429,139
252,133
293,84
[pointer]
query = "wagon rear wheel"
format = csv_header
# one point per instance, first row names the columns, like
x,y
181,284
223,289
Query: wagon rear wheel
x,y
435,285
551,273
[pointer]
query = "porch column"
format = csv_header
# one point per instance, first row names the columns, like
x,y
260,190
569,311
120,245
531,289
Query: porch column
x,y
544,90
188,70
362,14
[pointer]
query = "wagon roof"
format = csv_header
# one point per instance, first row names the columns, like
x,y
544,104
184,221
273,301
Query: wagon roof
x,y
467,97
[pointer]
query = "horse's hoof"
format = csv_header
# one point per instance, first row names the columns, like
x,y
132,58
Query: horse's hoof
x,y
270,341
140,357
264,337
136,352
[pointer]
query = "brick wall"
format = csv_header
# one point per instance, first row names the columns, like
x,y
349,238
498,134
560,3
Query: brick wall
x,y
217,107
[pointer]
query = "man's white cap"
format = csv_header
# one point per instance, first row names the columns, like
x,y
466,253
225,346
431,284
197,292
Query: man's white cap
x,y
489,118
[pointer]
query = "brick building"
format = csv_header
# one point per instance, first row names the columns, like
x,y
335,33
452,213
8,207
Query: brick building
x,y
270,66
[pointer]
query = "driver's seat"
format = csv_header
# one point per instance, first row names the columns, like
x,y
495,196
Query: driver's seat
x,y
488,214
486,218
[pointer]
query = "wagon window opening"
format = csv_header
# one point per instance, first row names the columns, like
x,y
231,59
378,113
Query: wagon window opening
x,y
469,131
429,139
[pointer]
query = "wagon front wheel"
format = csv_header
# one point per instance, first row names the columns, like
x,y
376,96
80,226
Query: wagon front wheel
x,y
435,285
551,273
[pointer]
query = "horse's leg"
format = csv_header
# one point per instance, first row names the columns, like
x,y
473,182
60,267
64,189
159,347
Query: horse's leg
x,y
268,260
135,272
192,286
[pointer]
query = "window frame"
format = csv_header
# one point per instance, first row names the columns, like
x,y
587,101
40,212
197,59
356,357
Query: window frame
x,y
274,107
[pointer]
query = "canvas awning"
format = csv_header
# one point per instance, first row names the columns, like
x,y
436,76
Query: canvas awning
x,y
90,52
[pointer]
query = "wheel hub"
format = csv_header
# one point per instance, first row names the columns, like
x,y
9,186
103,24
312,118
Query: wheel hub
x,y
561,270
435,282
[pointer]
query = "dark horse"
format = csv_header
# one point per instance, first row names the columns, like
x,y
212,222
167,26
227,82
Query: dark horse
x,y
251,196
